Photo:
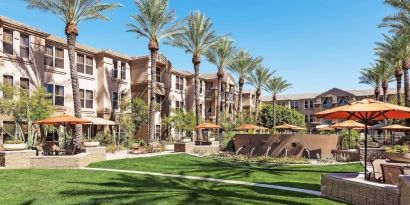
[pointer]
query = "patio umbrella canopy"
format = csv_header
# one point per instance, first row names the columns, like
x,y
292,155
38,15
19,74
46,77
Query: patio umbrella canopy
x,y
207,126
365,111
348,124
250,127
395,128
288,127
62,120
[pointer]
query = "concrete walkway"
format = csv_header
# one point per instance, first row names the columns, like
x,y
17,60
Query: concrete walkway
x,y
269,186
123,154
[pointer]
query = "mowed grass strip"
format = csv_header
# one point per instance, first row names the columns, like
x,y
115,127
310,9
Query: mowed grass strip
x,y
98,187
298,176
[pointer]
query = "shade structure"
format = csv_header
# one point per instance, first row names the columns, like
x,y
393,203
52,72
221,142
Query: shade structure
x,y
349,124
99,121
328,128
396,127
207,126
250,127
62,120
288,127
366,110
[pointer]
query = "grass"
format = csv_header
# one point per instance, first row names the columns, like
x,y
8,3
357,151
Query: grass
x,y
298,176
26,187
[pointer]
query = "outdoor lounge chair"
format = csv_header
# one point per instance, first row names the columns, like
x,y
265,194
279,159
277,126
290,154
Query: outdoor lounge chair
x,y
377,169
154,147
370,173
51,148
391,173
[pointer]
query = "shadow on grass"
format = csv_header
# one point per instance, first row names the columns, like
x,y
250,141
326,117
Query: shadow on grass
x,y
127,189
28,202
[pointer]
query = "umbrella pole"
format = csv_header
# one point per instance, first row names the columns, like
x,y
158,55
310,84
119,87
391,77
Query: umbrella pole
x,y
365,150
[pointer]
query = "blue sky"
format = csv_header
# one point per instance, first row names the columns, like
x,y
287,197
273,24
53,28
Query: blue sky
x,y
314,44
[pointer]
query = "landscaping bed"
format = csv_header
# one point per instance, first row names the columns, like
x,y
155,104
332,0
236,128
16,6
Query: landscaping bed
x,y
261,159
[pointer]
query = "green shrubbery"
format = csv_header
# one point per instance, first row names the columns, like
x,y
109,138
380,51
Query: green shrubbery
x,y
397,149
348,140
262,159
284,115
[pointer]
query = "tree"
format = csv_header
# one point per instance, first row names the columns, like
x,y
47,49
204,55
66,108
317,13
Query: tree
x,y
257,79
283,115
197,38
153,22
242,66
369,76
274,86
72,12
386,73
182,121
221,55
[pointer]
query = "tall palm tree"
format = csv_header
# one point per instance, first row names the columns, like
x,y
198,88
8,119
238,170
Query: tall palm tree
x,y
221,55
390,51
196,38
154,22
386,73
370,76
72,12
242,66
274,86
257,79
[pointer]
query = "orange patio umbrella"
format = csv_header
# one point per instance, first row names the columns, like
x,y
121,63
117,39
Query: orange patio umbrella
x,y
328,128
288,127
365,111
207,126
62,120
250,127
348,124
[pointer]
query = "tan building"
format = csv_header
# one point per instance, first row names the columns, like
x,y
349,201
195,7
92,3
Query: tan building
x,y
310,103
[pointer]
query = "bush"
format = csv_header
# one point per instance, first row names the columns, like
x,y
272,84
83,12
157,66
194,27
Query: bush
x,y
105,138
348,142
397,149
263,159
284,115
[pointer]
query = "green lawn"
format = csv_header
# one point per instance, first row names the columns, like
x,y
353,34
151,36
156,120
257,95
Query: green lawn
x,y
55,187
305,177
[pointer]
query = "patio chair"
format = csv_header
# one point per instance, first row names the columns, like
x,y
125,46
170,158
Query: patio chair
x,y
51,147
154,147
391,173
136,148
370,173
377,169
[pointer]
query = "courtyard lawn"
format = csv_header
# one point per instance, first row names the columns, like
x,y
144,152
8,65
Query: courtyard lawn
x,y
298,176
98,187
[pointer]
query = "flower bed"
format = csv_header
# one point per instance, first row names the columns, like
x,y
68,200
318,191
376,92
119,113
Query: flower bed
x,y
261,159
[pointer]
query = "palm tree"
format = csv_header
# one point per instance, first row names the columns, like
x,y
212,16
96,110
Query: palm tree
x,y
386,73
257,79
242,66
392,53
197,38
154,23
221,55
370,76
72,12
274,86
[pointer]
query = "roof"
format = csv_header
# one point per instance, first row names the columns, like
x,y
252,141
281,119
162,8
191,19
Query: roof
x,y
78,45
22,26
181,72
302,96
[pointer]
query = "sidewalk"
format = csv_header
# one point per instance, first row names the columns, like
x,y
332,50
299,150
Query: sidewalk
x,y
123,154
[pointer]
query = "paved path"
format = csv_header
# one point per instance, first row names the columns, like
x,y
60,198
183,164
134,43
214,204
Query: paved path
x,y
124,154
305,191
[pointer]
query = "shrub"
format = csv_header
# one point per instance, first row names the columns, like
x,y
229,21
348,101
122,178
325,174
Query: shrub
x,y
397,149
262,159
105,138
284,115
347,141
13,142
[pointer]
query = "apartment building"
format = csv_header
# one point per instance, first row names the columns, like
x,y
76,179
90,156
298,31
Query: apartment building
x,y
310,103
30,58
249,102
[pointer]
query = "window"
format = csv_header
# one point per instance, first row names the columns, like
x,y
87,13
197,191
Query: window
x,y
308,104
123,98
50,90
230,108
342,100
80,63
200,109
294,104
200,86
89,65
158,73
179,83
24,86
306,118
114,101
8,42
158,100
86,97
115,70
179,106
48,56
59,95
59,58
123,71
311,118
158,131
24,46
327,102
8,80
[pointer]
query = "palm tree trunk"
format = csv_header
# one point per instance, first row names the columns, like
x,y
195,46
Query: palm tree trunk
x,y
273,112
218,101
385,87
196,61
398,76
406,86
71,40
377,92
153,96
258,94
241,83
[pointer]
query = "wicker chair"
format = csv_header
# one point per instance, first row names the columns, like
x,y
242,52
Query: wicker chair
x,y
377,169
391,173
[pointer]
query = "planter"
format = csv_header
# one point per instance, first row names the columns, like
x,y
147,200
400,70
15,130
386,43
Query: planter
x,y
398,157
169,147
14,147
211,139
186,140
91,144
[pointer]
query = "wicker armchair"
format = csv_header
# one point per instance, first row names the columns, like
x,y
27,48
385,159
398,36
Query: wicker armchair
x,y
377,169
391,173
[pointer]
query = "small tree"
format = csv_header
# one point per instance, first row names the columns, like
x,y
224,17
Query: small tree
x,y
183,121
284,115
